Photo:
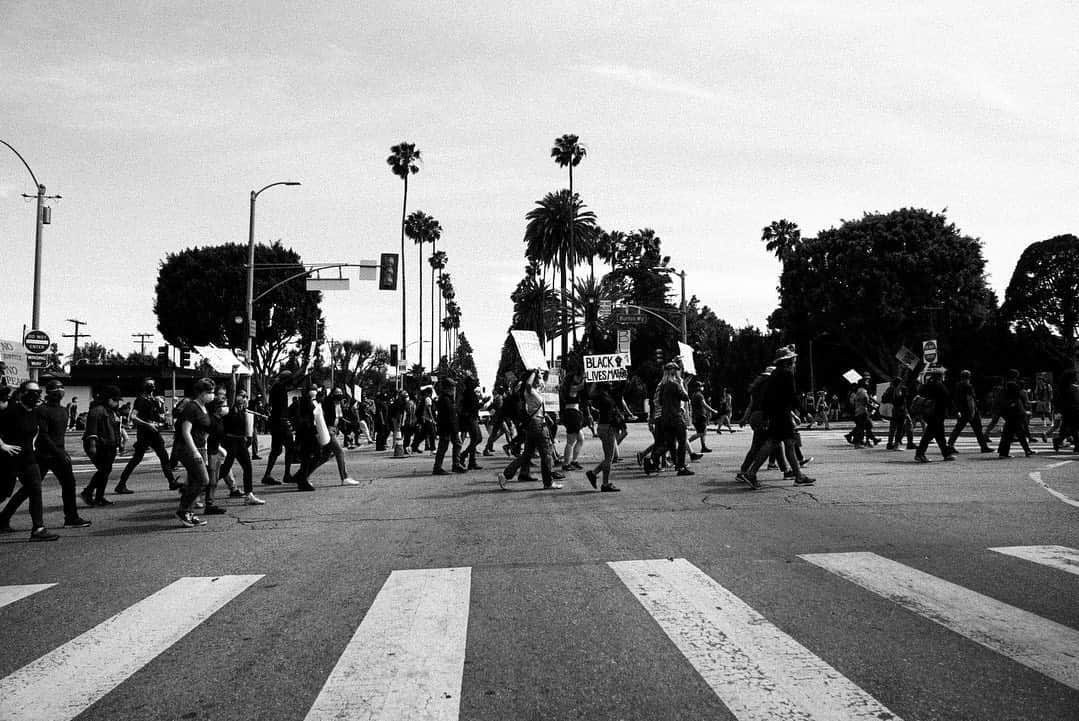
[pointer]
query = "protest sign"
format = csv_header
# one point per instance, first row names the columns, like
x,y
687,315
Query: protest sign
x,y
685,352
606,368
529,348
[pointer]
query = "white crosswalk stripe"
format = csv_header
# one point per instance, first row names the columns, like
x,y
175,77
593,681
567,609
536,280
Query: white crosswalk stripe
x,y
64,682
757,670
11,594
1059,557
1038,643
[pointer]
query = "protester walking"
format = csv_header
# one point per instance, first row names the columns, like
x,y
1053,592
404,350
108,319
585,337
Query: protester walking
x,y
190,450
700,412
236,447
779,400
148,417
1015,408
534,432
934,409
606,401
101,441
19,429
966,406
281,431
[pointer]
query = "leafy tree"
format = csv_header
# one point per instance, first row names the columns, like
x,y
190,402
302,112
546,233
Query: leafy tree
x,y
876,283
1042,299
201,291
636,278
422,228
92,353
558,231
781,237
403,162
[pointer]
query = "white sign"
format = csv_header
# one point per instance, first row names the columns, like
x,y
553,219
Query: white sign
x,y
528,346
852,376
686,354
548,389
605,307
624,335
929,351
13,362
222,360
606,368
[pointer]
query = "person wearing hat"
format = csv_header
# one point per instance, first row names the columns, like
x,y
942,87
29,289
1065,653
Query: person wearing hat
x,y
19,427
1015,407
754,416
934,410
281,439
101,440
966,406
148,417
778,402
668,421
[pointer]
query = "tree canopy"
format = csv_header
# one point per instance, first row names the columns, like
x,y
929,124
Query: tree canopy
x,y
1043,294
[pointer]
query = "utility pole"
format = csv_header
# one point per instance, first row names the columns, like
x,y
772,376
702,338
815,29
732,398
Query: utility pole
x,y
76,335
142,341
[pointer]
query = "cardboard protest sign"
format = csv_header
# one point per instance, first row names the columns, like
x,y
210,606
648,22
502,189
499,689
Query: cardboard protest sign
x,y
529,348
606,368
685,352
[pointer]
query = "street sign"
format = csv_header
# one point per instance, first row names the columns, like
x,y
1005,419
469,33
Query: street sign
x,y
929,352
327,284
605,309
606,368
624,336
36,341
35,360
630,316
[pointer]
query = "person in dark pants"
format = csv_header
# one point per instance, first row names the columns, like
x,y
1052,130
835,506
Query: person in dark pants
x,y
19,426
898,394
669,422
778,402
101,441
966,406
447,421
754,416
471,401
936,395
1015,408
148,417
280,430
190,449
53,456
308,448
533,432
236,447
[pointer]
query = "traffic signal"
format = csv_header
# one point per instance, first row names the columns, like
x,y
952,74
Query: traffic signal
x,y
162,355
387,271
185,357
659,356
393,355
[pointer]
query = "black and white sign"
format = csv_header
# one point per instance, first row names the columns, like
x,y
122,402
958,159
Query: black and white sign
x,y
36,341
606,368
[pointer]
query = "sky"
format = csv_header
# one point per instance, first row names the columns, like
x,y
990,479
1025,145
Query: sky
x,y
704,121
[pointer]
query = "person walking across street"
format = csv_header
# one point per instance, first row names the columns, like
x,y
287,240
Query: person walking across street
x,y
934,411
19,429
281,432
471,402
101,441
779,401
897,394
448,423
148,417
52,454
1015,409
533,430
669,422
573,420
606,401
1068,405
328,428
189,446
700,412
966,406
236,447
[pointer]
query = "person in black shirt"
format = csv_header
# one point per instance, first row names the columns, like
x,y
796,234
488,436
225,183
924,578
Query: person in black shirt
x,y
20,427
280,429
447,421
606,402
1015,408
148,417
101,441
778,402
471,402
936,395
966,406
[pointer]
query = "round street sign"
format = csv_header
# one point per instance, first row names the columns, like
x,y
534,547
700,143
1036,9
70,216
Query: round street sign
x,y
36,341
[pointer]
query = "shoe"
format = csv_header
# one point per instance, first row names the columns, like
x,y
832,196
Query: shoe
x,y
501,479
305,486
805,461
552,486
475,467
741,477
705,450
804,481
102,501
76,522
440,472
460,469
771,467
609,488
252,500
558,476
122,490
256,458
920,457
349,482
270,481
288,479
213,510
788,475
576,466
42,534
506,450
640,459
685,472
695,456
753,482
174,486
236,493
952,451
527,479
88,497
195,520
1004,455
487,452
950,457
591,476
1031,453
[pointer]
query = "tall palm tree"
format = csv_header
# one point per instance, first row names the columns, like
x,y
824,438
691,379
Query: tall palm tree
x,y
607,245
558,228
422,228
403,162
584,305
568,153
438,262
781,237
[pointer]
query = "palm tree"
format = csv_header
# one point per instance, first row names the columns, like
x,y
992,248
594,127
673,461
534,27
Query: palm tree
x,y
438,262
781,237
568,152
584,305
403,162
607,245
422,228
558,229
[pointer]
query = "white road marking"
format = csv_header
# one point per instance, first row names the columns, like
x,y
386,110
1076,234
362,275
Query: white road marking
x,y
757,670
11,594
1057,465
1059,557
1038,643
64,682
406,659
1037,478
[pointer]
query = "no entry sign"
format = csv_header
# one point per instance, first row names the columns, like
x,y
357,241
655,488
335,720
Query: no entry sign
x,y
36,341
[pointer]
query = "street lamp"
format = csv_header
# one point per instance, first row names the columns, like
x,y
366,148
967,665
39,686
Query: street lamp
x,y
682,309
250,329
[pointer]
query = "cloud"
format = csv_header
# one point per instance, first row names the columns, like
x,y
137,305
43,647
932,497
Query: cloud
x,y
652,80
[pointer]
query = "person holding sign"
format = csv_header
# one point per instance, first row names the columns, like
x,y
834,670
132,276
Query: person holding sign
x,y
533,414
607,403
701,412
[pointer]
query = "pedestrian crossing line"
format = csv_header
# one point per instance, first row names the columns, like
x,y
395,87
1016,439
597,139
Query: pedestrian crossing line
x,y
406,659
1059,557
64,682
1038,643
758,671
11,594
1036,476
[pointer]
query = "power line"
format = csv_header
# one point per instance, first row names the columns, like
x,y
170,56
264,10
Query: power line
x,y
76,335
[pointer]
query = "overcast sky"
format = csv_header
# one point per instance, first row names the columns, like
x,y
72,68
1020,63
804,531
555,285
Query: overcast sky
x,y
704,121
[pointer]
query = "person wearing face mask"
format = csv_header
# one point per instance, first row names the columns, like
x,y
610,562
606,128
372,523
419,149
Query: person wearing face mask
x,y
190,448
235,426
148,417
51,453
101,440
20,427
533,415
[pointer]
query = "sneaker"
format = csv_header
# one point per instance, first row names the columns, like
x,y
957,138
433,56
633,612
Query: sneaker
x,y
553,486
705,450
487,452
102,501
685,472
236,493
695,456
741,477
440,472
42,534
270,481
213,510
88,497
789,474
949,457
753,482
349,482
76,522
805,461
576,466
640,459
195,520
506,449
609,488
804,481
185,519
771,467
122,490
558,476
591,476
1004,455
460,469
252,500
920,457
501,479
256,458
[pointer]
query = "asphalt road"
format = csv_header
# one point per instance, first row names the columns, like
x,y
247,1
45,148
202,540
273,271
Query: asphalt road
x,y
873,594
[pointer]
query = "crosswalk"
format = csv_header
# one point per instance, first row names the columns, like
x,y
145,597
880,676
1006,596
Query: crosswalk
x,y
407,657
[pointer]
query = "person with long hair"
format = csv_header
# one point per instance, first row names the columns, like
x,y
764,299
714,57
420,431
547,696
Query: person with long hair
x,y
237,448
606,404
533,414
572,419
668,421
